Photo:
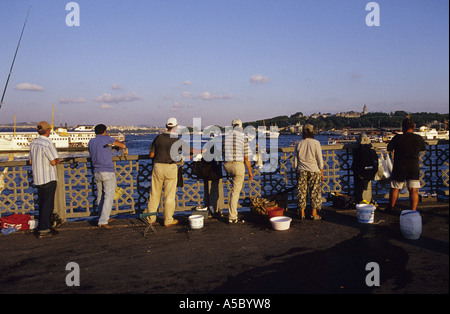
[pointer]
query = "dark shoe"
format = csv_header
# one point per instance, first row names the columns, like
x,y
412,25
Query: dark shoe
x,y
41,235
54,231
175,222
389,209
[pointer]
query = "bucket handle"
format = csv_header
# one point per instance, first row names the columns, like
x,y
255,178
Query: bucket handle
x,y
411,212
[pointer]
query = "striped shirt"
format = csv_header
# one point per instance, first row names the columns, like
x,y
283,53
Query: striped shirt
x,y
42,151
236,146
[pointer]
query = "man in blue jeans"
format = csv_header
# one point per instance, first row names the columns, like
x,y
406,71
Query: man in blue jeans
x,y
104,173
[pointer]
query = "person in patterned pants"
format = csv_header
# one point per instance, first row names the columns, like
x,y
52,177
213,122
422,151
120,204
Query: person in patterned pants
x,y
308,162
309,181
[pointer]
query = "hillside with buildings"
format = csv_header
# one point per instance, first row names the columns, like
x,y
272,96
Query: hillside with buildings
x,y
353,120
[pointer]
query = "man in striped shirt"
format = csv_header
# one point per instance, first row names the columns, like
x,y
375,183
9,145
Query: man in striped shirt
x,y
237,158
43,159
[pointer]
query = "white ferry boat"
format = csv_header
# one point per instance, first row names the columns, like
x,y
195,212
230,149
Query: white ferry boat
x,y
425,132
432,134
78,139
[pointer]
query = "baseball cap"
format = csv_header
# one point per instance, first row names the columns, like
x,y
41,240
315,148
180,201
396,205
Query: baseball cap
x,y
172,122
236,122
43,125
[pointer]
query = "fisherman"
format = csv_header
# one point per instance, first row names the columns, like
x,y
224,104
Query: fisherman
x,y
237,159
365,167
406,148
104,172
43,159
308,163
164,173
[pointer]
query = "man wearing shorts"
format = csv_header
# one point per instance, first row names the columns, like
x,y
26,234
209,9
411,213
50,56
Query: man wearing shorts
x,y
406,148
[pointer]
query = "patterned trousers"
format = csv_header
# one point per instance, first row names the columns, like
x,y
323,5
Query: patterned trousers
x,y
309,182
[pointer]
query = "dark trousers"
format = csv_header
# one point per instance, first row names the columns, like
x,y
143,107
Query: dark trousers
x,y
46,201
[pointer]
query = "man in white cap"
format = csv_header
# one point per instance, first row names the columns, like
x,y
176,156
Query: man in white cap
x,y
43,159
164,174
237,159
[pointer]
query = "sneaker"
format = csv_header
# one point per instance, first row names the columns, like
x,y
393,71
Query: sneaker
x,y
235,221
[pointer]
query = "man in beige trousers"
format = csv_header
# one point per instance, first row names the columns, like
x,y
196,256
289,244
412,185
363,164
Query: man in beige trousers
x,y
164,174
237,159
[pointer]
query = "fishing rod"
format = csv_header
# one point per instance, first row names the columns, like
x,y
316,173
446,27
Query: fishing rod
x,y
14,59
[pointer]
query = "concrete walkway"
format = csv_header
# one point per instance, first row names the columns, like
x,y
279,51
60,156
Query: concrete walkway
x,y
327,256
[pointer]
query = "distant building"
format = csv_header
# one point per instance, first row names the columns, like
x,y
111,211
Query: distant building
x,y
297,128
349,114
352,114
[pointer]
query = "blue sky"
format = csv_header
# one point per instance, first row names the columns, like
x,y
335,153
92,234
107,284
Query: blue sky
x,y
142,61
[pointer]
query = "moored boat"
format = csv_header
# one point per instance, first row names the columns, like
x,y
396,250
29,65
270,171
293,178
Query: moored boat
x,y
63,139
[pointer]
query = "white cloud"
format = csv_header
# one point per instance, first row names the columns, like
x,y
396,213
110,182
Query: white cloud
x,y
79,100
29,87
186,94
187,82
259,79
108,98
212,96
106,106
117,86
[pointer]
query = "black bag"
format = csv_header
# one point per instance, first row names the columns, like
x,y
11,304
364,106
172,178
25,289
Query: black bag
x,y
365,162
180,181
342,201
207,170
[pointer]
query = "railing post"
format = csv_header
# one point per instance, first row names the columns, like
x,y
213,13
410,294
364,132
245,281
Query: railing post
x,y
60,197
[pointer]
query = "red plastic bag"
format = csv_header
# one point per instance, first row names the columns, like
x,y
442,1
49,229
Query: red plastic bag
x,y
17,221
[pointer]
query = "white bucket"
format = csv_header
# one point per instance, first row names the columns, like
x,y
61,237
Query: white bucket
x,y
280,222
196,221
410,224
365,213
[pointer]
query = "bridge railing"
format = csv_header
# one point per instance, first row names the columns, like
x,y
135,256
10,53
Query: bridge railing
x,y
76,190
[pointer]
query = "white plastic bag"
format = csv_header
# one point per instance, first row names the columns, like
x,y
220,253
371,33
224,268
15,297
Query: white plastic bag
x,y
388,163
384,167
380,173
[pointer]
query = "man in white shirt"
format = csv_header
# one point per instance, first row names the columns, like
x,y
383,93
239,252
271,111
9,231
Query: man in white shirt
x,y
43,159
